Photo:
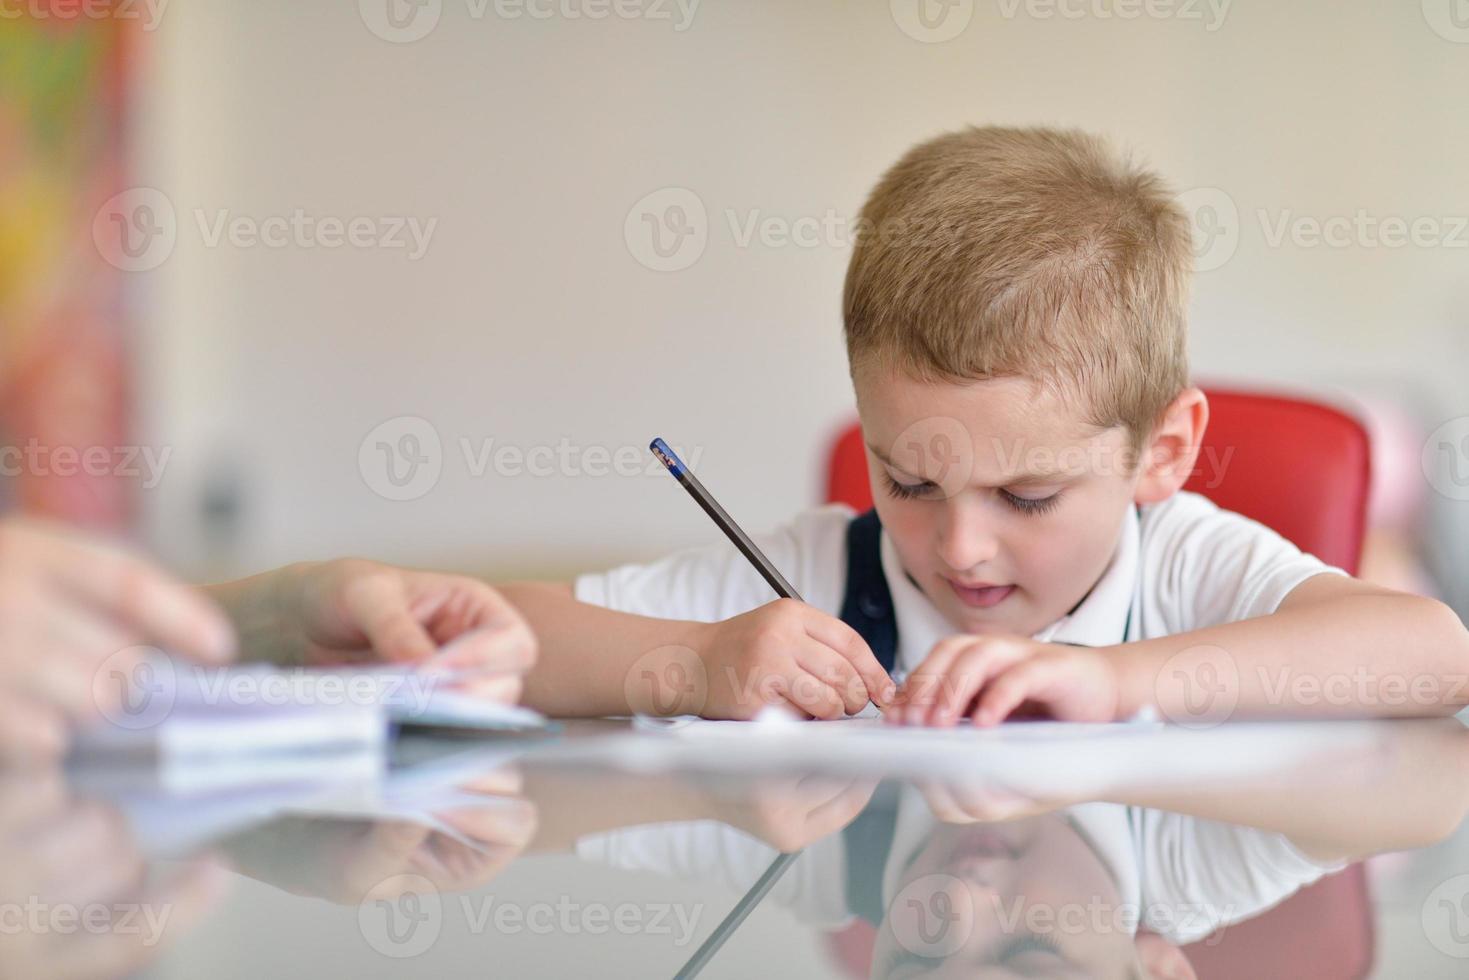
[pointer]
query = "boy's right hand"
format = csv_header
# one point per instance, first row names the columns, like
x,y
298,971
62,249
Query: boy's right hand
x,y
790,654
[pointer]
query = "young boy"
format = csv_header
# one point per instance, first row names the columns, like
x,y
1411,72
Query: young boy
x,y
1015,322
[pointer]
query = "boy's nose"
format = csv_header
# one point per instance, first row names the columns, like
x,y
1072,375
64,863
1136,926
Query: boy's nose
x,y
964,540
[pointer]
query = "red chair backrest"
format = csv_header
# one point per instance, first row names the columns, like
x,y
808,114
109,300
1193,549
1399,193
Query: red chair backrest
x,y
846,471
1302,469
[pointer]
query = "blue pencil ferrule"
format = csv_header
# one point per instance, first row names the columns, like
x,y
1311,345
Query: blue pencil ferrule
x,y
667,457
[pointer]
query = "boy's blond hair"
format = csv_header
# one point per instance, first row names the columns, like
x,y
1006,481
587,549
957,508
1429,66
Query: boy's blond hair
x,y
1032,253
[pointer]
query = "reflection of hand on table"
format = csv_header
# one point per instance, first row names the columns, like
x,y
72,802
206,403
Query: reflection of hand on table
x,y
790,812
77,877
348,860
976,801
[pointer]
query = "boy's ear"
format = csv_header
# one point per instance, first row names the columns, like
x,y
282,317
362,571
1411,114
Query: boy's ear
x,y
1161,960
1169,454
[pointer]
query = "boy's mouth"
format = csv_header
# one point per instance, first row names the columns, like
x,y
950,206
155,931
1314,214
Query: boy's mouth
x,y
981,596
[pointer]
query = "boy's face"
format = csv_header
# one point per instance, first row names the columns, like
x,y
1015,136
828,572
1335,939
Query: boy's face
x,y
1004,504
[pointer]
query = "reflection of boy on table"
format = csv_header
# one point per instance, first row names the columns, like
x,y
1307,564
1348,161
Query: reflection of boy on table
x,y
1092,889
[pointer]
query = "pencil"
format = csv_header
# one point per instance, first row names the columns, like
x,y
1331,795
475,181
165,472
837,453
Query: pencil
x,y
741,540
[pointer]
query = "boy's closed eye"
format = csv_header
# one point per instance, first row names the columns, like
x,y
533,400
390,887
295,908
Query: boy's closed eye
x,y
1025,503
1029,955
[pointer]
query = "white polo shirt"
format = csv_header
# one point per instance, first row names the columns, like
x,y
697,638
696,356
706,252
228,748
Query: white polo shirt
x,y
1180,565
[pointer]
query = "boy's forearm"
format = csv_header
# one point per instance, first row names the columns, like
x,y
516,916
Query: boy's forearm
x,y
588,653
1381,653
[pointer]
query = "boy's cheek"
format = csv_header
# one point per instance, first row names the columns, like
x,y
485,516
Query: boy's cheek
x,y
910,529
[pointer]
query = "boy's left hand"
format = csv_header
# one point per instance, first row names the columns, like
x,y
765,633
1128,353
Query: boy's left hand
x,y
355,611
987,678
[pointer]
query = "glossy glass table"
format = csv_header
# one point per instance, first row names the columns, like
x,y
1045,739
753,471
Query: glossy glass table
x,y
619,850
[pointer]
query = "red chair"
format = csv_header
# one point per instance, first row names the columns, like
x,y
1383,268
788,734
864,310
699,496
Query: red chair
x,y
1301,468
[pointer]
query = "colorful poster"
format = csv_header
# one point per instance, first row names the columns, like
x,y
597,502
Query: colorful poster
x,y
64,394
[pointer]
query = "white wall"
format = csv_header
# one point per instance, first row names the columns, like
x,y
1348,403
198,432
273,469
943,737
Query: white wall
x,y
530,319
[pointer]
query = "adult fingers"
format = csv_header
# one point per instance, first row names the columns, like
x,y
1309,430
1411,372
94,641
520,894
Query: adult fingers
x,y
500,688
378,606
141,598
31,732
494,649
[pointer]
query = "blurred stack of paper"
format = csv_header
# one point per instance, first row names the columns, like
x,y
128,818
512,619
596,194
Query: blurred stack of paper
x,y
178,714
229,719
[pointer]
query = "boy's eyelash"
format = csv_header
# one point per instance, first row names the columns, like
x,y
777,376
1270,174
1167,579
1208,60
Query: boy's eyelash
x,y
1024,505
1021,945
904,491
1027,505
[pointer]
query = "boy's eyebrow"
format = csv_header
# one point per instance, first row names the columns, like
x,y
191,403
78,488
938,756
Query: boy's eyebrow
x,y
1018,480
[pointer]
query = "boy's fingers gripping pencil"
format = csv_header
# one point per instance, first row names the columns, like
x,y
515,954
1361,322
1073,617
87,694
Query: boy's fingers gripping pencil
x,y
872,674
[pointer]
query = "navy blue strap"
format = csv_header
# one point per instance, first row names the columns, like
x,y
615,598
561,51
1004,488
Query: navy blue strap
x,y
867,606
